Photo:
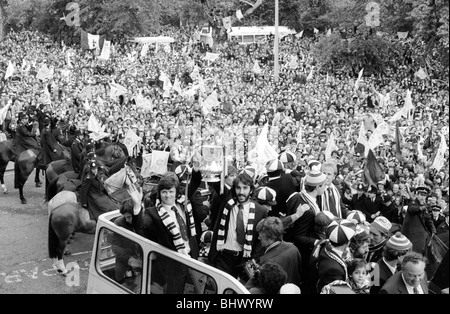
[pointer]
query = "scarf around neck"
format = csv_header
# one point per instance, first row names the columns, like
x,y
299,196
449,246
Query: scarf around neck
x,y
221,236
173,228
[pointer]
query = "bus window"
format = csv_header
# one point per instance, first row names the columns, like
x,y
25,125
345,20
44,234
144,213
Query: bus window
x,y
168,276
248,39
120,259
260,37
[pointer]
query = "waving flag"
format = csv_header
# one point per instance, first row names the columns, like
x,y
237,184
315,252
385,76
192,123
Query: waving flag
x,y
398,149
331,146
361,144
359,79
256,68
439,159
9,71
372,173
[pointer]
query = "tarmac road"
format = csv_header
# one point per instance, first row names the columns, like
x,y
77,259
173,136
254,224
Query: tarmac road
x,y
25,267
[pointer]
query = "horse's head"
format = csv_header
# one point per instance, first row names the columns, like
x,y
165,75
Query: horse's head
x,y
114,152
132,174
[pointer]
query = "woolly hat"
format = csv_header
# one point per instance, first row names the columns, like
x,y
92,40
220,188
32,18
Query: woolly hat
x,y
340,232
314,165
356,216
381,224
399,242
315,178
274,165
287,157
267,195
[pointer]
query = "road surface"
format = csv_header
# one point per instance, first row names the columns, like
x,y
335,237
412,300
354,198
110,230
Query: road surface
x,y
24,263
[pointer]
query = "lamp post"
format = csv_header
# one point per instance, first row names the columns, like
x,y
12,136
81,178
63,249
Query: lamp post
x,y
275,48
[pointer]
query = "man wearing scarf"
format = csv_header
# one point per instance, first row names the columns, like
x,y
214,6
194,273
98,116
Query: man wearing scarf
x,y
170,224
331,199
235,239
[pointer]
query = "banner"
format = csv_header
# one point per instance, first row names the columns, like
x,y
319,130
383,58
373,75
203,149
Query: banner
x,y
211,56
159,162
117,90
146,165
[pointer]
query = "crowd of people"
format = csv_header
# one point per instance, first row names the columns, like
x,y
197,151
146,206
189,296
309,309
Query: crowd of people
x,y
309,211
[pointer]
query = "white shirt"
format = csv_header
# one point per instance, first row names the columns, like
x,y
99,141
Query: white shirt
x,y
392,269
231,240
175,220
411,288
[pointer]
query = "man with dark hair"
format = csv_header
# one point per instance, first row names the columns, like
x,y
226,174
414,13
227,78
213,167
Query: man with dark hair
x,y
171,224
235,239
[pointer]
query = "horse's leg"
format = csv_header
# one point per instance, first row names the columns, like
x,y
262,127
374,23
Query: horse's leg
x,y
37,180
60,228
2,173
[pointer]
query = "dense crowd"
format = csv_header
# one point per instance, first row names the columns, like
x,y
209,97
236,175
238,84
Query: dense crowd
x,y
303,109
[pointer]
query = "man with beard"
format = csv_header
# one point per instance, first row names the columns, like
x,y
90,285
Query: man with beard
x,y
235,239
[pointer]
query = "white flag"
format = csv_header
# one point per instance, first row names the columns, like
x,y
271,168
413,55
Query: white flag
x,y
420,155
94,125
263,152
106,50
239,15
9,71
86,105
421,74
300,34
316,30
93,41
167,84
439,159
131,140
329,32
211,102
69,63
256,68
358,80
299,135
177,85
44,73
144,49
402,35
117,90
146,165
293,63
4,111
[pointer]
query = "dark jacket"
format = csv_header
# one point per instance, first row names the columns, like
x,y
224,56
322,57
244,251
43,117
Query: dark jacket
x,y
24,140
396,285
418,226
330,266
75,153
93,196
152,227
50,147
284,186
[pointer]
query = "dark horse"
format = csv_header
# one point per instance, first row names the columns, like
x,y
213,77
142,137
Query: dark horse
x,y
67,216
6,155
24,165
59,173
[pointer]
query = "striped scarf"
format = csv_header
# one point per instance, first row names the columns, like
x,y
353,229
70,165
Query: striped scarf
x,y
173,228
331,201
311,201
221,236
333,255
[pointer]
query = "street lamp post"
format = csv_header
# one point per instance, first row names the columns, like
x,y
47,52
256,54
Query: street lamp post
x,y
275,48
